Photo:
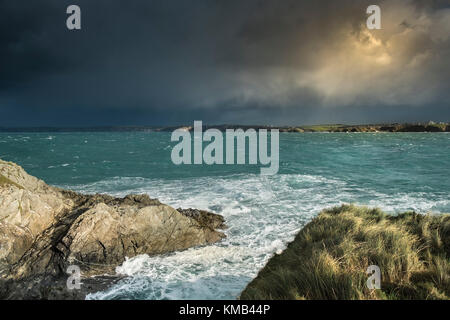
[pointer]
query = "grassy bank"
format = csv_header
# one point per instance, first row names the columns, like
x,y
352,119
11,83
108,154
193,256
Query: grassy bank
x,y
329,257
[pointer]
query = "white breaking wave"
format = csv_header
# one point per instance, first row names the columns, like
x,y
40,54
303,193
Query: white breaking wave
x,y
263,214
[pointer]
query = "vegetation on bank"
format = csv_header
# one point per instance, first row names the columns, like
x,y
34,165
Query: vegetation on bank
x,y
329,257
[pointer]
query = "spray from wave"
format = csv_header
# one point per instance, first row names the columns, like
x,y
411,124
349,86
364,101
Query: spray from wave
x,y
263,214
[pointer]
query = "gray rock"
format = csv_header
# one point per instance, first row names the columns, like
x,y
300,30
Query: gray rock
x,y
44,229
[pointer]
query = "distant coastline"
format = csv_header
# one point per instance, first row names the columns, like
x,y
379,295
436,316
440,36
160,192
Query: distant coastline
x,y
386,127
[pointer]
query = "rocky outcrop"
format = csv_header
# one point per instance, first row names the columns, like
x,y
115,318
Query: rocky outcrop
x,y
394,127
44,229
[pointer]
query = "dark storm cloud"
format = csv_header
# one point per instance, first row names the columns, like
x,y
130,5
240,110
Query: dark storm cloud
x,y
152,62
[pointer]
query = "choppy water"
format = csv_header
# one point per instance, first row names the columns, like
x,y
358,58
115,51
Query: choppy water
x,y
397,172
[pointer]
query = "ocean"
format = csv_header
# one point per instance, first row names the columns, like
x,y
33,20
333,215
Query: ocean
x,y
394,171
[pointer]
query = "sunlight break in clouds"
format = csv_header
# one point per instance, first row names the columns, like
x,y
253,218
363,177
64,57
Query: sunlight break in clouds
x,y
396,65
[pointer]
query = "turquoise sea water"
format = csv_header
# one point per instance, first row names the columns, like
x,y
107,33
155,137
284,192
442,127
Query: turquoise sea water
x,y
397,172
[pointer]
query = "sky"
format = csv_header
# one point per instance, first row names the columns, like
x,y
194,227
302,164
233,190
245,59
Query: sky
x,y
170,62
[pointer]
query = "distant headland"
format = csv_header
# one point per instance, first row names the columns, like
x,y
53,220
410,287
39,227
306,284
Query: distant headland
x,y
383,127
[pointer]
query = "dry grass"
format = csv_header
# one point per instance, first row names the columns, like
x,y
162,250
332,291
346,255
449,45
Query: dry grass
x,y
329,257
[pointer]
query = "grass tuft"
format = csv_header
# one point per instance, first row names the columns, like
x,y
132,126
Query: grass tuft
x,y
329,257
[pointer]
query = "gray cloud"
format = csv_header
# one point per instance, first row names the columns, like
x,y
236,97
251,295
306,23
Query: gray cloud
x,y
236,61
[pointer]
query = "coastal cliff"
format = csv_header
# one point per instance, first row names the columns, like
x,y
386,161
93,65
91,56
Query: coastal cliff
x,y
44,230
330,256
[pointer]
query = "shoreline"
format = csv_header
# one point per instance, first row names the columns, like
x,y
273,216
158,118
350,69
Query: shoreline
x,y
45,231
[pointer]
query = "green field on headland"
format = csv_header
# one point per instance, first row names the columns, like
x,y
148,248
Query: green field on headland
x,y
329,257
414,127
